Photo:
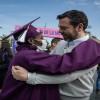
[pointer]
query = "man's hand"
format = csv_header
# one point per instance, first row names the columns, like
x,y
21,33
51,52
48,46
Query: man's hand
x,y
19,73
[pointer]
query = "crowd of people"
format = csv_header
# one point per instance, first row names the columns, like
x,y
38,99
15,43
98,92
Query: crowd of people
x,y
5,58
65,70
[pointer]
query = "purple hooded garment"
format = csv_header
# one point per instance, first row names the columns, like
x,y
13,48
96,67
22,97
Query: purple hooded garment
x,y
85,55
19,90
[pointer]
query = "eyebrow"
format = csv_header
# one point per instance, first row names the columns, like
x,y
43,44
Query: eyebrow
x,y
63,27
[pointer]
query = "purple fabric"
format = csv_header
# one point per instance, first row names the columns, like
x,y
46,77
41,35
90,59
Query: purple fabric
x,y
18,32
17,90
25,46
32,32
84,56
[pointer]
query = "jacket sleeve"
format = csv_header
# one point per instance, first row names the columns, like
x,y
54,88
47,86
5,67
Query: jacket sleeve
x,y
84,56
36,78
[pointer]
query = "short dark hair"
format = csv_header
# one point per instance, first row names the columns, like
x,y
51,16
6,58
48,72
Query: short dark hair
x,y
76,17
55,40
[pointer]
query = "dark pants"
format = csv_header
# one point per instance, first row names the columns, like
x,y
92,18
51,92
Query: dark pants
x,y
3,70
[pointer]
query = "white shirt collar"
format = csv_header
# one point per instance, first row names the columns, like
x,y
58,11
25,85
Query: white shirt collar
x,y
79,40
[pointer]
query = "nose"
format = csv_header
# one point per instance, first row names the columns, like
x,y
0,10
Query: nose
x,y
60,31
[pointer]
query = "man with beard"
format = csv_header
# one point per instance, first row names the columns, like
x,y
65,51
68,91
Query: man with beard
x,y
73,86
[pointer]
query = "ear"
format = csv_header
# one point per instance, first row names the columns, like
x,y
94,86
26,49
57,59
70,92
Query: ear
x,y
80,27
54,44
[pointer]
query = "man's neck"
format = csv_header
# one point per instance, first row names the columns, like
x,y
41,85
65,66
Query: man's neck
x,y
81,34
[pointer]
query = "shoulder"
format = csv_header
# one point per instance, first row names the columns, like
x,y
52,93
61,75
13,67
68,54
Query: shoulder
x,y
95,40
23,53
91,42
22,56
91,45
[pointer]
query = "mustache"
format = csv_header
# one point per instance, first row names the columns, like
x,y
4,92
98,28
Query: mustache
x,y
62,33
65,33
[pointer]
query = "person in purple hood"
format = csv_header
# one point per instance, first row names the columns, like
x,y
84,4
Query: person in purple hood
x,y
76,85
29,39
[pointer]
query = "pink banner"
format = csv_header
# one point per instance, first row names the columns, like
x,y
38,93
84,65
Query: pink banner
x,y
50,32
47,32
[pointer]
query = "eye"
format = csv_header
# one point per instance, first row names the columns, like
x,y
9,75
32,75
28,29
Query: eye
x,y
62,27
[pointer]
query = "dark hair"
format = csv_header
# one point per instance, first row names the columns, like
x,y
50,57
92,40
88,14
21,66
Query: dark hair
x,y
55,40
76,17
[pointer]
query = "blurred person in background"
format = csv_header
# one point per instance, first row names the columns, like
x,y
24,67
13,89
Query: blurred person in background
x,y
54,43
5,58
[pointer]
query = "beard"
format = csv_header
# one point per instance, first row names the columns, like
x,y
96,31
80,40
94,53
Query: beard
x,y
70,36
